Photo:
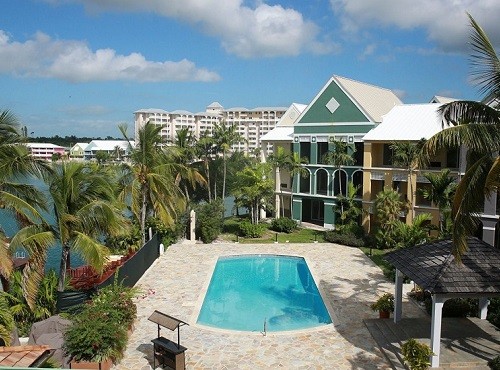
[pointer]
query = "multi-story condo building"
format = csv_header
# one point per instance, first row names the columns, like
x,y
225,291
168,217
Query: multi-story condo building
x,y
252,124
45,150
369,119
343,110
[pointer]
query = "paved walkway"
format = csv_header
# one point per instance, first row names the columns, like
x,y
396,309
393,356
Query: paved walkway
x,y
347,279
466,343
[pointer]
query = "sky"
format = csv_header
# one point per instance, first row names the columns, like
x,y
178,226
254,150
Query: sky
x,y
82,67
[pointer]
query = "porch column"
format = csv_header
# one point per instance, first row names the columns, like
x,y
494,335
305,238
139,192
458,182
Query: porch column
x,y
398,296
437,316
483,307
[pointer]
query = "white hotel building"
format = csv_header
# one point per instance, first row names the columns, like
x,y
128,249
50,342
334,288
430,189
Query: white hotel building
x,y
252,124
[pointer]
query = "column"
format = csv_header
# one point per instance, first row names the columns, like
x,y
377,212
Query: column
x,y
437,316
483,307
398,296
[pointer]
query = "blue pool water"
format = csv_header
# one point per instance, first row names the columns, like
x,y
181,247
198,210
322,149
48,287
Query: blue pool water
x,y
246,291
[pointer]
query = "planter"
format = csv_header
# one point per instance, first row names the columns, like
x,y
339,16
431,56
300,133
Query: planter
x,y
91,365
384,314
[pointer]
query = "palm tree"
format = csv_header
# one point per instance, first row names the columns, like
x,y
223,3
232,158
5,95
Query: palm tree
x,y
406,155
441,193
225,136
349,210
280,160
476,126
23,200
182,154
84,210
338,157
295,166
205,149
7,324
148,181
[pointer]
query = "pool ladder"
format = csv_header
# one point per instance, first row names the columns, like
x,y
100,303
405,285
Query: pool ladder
x,y
264,333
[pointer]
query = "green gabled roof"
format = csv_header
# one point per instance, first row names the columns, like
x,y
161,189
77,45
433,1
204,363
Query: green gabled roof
x,y
353,101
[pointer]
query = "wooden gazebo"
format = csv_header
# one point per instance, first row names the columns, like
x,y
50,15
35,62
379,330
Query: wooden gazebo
x,y
433,268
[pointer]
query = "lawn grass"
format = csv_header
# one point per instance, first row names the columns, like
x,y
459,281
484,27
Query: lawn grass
x,y
301,235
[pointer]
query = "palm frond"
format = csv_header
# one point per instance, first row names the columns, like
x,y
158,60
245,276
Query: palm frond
x,y
92,252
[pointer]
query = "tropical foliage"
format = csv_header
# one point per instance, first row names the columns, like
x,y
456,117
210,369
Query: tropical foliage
x,y
475,125
338,157
349,211
254,187
148,183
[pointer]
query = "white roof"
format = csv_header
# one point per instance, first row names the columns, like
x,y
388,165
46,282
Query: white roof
x,y
43,145
215,104
374,100
151,110
279,133
80,145
441,99
291,115
407,122
108,144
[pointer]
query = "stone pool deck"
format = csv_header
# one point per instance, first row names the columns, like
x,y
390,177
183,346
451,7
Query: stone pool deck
x,y
347,279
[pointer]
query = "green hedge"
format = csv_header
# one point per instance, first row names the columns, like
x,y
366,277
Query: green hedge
x,y
247,229
345,239
284,225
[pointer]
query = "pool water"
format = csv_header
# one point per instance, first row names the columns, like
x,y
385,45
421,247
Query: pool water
x,y
249,292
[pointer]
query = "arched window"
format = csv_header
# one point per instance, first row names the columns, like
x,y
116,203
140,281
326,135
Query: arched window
x,y
305,184
322,182
339,182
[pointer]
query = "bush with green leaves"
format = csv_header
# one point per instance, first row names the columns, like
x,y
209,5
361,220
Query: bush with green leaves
x,y
416,355
7,324
348,239
209,220
99,331
284,225
249,230
44,304
120,244
168,235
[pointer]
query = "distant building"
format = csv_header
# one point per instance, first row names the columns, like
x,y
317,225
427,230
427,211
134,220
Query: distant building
x,y
77,151
45,150
252,124
116,148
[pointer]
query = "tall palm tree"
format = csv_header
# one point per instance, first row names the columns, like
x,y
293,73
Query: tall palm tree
x,y
475,125
183,155
406,155
22,199
280,160
84,209
338,157
225,136
295,166
148,181
442,189
205,149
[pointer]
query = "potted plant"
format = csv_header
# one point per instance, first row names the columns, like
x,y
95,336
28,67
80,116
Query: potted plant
x,y
384,305
416,355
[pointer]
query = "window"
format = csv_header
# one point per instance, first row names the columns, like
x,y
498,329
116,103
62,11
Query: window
x,y
388,155
322,150
305,150
305,184
358,154
321,182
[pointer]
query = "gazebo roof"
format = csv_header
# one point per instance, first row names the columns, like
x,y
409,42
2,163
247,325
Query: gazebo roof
x,y
434,268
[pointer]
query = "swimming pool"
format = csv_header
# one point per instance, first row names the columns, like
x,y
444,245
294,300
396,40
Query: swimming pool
x,y
252,291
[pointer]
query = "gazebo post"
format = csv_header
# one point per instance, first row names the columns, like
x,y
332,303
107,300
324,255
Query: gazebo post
x,y
483,307
437,316
398,296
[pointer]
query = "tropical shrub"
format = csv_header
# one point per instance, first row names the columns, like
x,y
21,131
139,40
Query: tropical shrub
x,y
43,306
95,336
99,331
250,230
120,244
284,225
349,239
455,307
7,324
209,220
416,354
169,234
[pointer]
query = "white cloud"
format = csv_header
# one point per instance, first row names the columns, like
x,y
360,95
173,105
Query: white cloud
x,y
74,61
444,21
262,31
